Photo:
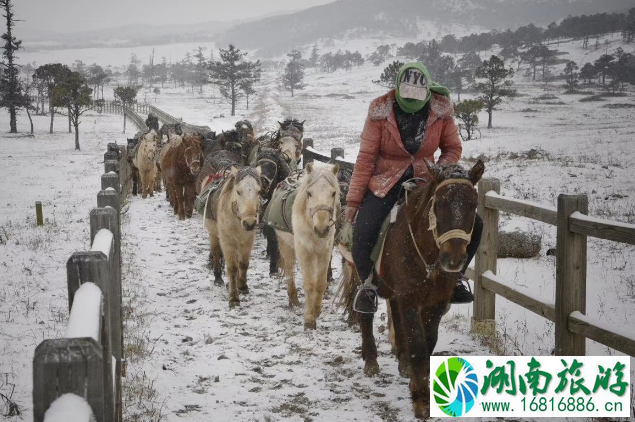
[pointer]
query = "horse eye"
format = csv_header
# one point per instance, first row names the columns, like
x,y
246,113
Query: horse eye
x,y
239,192
309,194
333,195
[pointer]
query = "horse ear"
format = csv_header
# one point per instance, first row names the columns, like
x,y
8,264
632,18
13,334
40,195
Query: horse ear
x,y
336,168
302,123
309,168
281,124
476,172
259,170
433,169
234,171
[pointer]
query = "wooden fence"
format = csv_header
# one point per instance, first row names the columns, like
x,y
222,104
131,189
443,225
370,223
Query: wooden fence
x,y
89,361
572,326
309,154
115,107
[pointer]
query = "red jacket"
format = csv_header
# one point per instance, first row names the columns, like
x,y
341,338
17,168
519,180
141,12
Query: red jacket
x,y
383,159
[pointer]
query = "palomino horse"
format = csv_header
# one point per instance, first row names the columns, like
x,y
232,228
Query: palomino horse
x,y
314,209
144,161
231,227
431,232
181,164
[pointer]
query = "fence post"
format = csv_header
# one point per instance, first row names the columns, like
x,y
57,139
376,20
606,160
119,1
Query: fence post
x,y
93,266
337,152
484,319
111,165
39,218
571,262
306,143
111,155
106,218
62,366
110,180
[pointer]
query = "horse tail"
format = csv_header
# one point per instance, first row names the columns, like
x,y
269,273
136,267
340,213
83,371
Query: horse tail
x,y
348,284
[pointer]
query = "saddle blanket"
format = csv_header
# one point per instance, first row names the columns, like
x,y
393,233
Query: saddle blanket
x,y
280,207
206,200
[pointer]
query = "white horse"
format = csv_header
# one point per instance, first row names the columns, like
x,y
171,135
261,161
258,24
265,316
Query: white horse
x,y
313,217
145,161
231,228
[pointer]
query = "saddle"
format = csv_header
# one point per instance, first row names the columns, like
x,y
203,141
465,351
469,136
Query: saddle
x,y
280,207
205,202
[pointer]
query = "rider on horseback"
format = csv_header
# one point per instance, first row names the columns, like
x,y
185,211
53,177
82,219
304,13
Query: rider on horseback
x,y
403,127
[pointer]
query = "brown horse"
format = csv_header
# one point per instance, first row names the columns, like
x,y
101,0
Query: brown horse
x,y
180,165
423,252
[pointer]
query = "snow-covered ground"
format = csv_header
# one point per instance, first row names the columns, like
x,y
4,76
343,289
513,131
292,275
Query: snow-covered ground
x,y
202,361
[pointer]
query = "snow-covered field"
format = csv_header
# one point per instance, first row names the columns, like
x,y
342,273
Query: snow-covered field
x,y
200,361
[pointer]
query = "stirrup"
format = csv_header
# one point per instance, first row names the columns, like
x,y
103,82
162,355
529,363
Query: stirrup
x,y
366,301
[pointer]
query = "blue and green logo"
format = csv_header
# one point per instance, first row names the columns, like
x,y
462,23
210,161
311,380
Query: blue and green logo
x,y
455,387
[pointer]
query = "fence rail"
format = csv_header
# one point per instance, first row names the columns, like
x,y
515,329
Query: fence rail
x,y
568,311
115,107
81,364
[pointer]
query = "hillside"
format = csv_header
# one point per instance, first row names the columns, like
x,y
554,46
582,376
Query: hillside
x,y
403,18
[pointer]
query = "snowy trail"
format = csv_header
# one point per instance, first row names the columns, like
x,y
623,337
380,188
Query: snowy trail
x,y
255,362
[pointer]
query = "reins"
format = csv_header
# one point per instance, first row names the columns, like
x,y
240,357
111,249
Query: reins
x,y
432,224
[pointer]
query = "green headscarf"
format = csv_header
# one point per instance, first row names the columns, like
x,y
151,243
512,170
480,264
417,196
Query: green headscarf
x,y
412,106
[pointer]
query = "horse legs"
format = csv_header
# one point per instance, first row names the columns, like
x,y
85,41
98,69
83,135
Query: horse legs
x,y
369,347
190,195
287,251
215,255
314,276
272,248
178,202
243,265
135,180
144,184
398,339
233,271
419,357
157,179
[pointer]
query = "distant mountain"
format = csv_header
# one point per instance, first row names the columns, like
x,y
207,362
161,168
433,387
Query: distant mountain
x,y
403,18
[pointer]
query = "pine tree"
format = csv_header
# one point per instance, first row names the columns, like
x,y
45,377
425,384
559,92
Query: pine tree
x,y
571,76
293,77
51,75
231,71
74,94
12,94
388,77
496,85
128,96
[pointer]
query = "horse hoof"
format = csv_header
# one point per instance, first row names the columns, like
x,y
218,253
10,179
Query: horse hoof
x,y
144,196
421,410
404,370
219,282
310,325
371,368
234,303
244,291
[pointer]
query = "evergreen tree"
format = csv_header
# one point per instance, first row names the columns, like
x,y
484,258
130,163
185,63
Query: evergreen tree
x,y
128,96
388,77
51,75
315,57
293,77
588,73
467,112
12,94
496,85
231,71
74,94
571,76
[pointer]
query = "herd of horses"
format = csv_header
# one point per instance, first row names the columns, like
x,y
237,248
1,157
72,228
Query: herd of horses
x,y
238,182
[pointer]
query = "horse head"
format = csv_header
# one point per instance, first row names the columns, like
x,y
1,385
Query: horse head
x,y
292,151
321,193
274,169
193,152
244,186
452,211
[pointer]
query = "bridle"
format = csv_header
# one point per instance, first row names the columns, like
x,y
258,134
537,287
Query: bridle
x,y
432,224
249,172
264,176
323,207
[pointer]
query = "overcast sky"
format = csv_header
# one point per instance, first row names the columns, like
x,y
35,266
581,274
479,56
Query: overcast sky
x,y
73,15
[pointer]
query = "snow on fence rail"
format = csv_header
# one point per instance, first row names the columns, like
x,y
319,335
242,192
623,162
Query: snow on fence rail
x,y
573,227
88,362
136,119
116,107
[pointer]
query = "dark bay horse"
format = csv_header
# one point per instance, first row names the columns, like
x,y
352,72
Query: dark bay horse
x,y
423,252
181,164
